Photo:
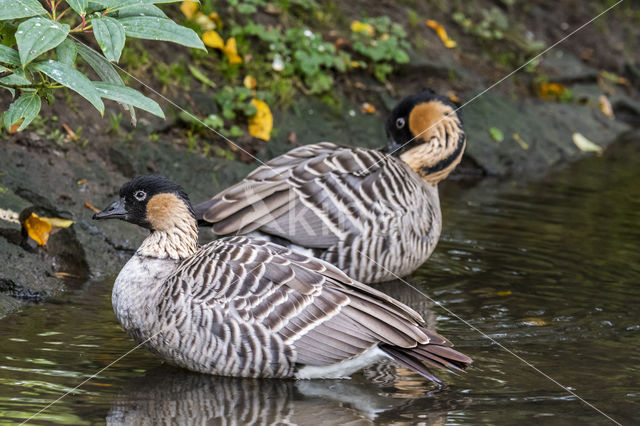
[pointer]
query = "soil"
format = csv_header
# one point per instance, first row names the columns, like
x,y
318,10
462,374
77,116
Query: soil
x,y
44,167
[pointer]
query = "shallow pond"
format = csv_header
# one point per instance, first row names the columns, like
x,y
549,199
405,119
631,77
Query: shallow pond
x,y
548,274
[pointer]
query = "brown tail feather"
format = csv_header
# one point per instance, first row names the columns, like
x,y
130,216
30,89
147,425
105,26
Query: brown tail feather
x,y
423,356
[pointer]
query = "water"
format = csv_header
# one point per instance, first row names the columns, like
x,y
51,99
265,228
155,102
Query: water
x,y
549,270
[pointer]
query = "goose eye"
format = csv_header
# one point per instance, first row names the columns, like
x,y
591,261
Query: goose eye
x,y
400,123
140,195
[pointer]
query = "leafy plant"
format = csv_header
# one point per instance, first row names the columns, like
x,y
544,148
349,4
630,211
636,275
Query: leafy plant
x,y
47,50
381,41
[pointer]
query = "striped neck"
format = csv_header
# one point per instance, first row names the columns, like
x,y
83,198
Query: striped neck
x,y
441,151
178,242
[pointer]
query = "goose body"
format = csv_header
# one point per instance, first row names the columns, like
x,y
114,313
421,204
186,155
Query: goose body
x,y
373,214
247,307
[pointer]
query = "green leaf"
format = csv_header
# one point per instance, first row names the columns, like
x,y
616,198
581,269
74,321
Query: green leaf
x,y
18,78
113,5
199,75
105,71
496,134
152,28
141,10
37,35
73,79
9,55
110,36
67,52
80,6
127,95
26,107
14,9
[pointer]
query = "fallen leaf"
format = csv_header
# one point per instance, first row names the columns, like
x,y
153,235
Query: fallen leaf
x,y
534,321
58,222
38,229
250,82
230,49
520,141
261,123
61,275
367,108
605,106
585,144
205,22
614,78
361,27
14,127
9,216
91,207
292,139
453,97
81,181
215,18
496,134
504,293
213,39
71,133
188,8
201,77
442,33
552,91
278,63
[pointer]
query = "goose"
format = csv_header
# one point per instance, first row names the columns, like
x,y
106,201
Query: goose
x,y
375,214
240,306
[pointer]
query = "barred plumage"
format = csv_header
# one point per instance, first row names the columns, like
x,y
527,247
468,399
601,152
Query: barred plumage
x,y
375,216
247,307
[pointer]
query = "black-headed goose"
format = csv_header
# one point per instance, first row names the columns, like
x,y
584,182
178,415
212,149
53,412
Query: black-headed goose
x,y
247,307
373,214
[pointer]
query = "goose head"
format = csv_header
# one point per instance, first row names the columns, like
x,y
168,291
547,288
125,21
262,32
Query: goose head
x,y
153,202
425,131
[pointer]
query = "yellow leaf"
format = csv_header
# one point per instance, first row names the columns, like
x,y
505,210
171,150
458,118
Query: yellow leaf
x,y
213,39
58,222
551,91
585,144
81,181
534,321
250,82
520,141
261,123
38,229
367,108
361,27
188,8
216,19
605,106
442,33
231,51
504,293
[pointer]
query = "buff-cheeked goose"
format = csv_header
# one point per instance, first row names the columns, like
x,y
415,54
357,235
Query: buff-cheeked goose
x,y
373,214
248,307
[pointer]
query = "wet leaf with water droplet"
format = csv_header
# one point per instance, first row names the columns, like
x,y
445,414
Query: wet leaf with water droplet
x,y
38,36
15,9
73,79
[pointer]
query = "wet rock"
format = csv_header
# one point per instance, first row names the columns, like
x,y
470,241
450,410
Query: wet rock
x,y
537,133
563,67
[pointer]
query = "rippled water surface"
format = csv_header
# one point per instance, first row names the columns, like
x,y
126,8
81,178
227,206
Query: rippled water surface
x,y
549,271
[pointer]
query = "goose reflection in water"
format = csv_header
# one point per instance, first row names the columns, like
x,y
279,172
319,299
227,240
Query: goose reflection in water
x,y
380,393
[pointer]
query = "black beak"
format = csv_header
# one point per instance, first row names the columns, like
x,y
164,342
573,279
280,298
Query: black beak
x,y
114,210
392,146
